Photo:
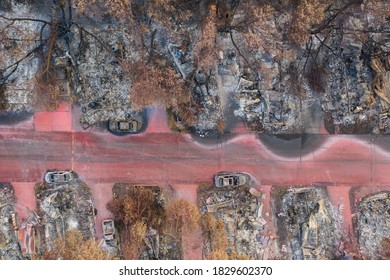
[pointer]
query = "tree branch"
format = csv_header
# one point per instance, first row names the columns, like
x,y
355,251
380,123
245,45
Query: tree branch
x,y
25,19
93,36
235,45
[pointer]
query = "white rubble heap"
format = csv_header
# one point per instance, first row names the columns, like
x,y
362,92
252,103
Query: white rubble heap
x,y
242,214
64,207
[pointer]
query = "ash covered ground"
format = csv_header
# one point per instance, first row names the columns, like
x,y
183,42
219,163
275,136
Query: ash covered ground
x,y
274,67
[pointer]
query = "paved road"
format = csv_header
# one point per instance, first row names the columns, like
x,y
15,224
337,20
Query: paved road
x,y
169,158
161,157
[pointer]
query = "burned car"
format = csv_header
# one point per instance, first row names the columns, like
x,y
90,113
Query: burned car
x,y
130,123
122,127
231,179
108,229
54,177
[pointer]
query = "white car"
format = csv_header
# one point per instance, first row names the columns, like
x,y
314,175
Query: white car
x,y
53,177
231,179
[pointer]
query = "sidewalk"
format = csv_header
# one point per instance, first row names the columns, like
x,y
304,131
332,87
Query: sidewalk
x,y
59,120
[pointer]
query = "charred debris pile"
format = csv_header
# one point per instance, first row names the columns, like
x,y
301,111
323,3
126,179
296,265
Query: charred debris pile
x,y
274,66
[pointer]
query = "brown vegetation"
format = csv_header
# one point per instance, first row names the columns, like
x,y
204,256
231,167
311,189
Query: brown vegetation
x,y
205,50
306,15
154,85
182,217
74,247
214,232
171,13
48,91
134,214
218,255
118,8
384,250
133,243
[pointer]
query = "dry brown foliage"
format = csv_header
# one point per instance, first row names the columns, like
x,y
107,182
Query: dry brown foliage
x,y
307,14
205,50
258,28
218,255
50,82
133,241
74,247
219,238
118,8
208,223
214,231
169,13
182,217
153,85
384,249
134,214
139,205
48,92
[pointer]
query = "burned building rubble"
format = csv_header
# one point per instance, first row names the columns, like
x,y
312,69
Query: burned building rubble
x,y
381,87
9,226
353,65
372,223
241,211
19,61
64,206
103,87
349,104
342,68
205,95
209,116
268,111
305,224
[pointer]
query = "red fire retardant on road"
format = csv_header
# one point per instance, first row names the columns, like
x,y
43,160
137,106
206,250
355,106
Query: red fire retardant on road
x,y
58,120
161,157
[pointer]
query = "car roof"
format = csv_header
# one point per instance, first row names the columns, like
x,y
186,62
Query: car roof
x,y
58,172
229,174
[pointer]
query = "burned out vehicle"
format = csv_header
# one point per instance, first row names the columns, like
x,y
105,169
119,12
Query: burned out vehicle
x,y
109,242
122,127
130,123
108,230
58,177
231,179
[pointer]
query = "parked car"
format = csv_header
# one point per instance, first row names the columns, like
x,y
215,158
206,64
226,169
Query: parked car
x,y
231,179
108,229
123,127
52,177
